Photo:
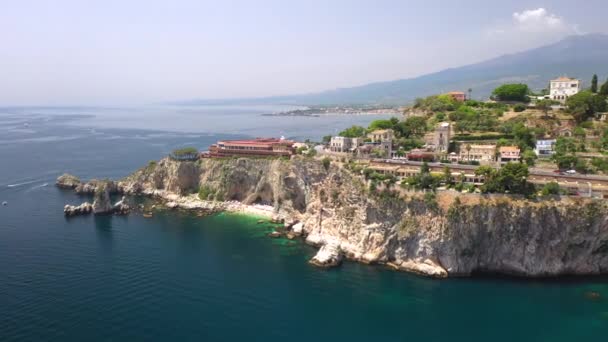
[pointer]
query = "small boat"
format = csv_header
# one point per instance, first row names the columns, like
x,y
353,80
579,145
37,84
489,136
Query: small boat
x,y
5,203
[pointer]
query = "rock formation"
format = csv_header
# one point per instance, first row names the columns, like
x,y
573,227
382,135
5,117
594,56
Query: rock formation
x,y
448,235
102,204
329,255
67,181
73,210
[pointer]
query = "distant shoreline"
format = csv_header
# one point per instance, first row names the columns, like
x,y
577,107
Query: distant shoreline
x,y
337,111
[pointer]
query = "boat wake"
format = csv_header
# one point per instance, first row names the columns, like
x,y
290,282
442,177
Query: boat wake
x,y
23,183
37,187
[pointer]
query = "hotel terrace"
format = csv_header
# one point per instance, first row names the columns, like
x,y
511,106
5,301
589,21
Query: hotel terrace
x,y
260,147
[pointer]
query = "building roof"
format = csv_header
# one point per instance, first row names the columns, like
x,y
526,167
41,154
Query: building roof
x,y
259,142
456,93
483,146
444,124
509,149
564,79
382,131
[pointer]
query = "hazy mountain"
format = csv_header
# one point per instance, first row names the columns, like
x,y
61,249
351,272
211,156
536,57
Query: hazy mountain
x,y
576,56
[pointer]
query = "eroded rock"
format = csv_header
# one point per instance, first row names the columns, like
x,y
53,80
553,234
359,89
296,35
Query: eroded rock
x,y
329,255
74,210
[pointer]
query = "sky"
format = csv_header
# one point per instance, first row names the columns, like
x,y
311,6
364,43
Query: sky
x,y
75,52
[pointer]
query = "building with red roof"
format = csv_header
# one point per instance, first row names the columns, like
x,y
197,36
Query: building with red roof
x,y
258,147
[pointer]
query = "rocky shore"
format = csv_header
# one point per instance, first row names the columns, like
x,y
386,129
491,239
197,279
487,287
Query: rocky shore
x,y
440,236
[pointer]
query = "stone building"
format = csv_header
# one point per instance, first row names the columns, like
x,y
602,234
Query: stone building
x,y
344,144
478,153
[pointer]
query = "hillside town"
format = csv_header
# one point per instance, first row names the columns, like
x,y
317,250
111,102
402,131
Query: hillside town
x,y
554,142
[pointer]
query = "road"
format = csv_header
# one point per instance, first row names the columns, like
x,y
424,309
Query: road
x,y
536,175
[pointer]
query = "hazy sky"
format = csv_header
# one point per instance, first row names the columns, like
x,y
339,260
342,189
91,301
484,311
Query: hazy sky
x,y
130,51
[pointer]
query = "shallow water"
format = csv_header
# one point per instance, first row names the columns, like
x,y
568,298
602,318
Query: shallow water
x,y
180,277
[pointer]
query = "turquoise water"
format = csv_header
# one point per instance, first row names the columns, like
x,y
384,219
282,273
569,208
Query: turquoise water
x,y
180,277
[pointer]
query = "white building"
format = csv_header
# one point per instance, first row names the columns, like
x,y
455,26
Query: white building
x,y
544,148
564,87
344,144
509,154
478,153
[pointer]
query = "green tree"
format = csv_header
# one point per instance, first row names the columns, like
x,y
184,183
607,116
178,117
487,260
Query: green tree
x,y
529,157
594,84
604,89
512,92
414,126
353,132
511,178
447,176
524,137
326,139
551,188
585,104
383,124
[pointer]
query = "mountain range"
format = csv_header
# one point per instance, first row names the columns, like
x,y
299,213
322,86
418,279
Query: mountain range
x,y
578,56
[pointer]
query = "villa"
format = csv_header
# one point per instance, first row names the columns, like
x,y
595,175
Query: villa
x,y
564,87
344,144
381,135
458,96
509,154
260,147
478,153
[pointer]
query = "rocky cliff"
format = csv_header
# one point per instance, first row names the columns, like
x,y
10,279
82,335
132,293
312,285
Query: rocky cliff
x,y
445,235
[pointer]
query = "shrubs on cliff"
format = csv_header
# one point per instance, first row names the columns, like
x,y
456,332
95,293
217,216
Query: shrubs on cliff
x,y
551,188
326,163
207,193
511,178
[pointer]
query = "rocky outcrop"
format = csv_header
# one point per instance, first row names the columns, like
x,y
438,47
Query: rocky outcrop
x,y
67,181
121,207
329,255
73,210
102,204
447,235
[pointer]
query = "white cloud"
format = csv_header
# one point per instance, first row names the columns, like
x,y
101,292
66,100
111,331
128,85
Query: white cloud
x,y
529,28
539,20
534,21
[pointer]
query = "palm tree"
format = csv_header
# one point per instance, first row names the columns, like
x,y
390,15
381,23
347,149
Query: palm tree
x,y
470,91
468,147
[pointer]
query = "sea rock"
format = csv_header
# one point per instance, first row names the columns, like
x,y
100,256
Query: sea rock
x,y
329,255
67,181
426,267
73,210
298,228
121,207
102,204
275,234
91,187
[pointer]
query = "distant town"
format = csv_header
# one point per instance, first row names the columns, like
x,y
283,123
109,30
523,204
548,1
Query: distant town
x,y
341,110
550,143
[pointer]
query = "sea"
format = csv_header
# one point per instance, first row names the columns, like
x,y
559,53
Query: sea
x,y
178,277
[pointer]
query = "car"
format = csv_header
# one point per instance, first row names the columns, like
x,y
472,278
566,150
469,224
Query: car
x,y
570,172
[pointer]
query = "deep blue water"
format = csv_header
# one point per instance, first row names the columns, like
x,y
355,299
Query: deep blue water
x,y
219,278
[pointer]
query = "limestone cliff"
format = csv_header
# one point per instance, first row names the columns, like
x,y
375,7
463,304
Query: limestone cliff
x,y
447,235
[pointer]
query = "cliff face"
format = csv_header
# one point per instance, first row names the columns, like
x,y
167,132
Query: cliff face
x,y
435,236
